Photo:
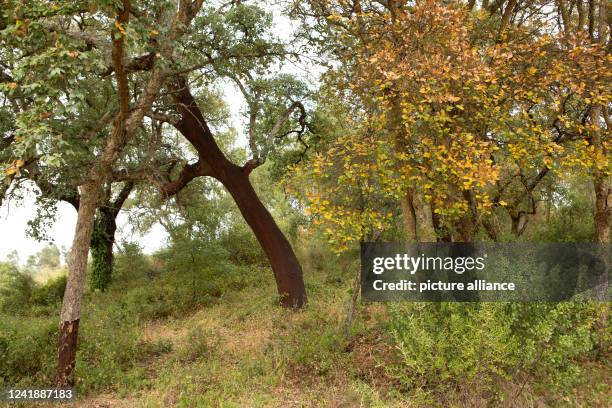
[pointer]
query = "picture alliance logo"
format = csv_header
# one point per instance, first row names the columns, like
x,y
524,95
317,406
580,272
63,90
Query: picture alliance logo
x,y
405,262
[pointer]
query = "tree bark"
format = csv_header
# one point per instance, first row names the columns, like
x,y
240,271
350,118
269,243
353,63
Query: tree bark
x,y
285,265
603,204
601,174
601,183
565,18
75,284
409,216
507,14
519,223
67,346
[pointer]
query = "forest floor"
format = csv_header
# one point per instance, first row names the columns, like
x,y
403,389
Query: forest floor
x,y
242,350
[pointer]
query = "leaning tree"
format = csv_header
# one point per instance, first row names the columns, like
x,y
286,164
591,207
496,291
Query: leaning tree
x,y
235,46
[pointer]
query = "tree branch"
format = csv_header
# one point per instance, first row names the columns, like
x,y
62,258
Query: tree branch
x,y
123,17
188,173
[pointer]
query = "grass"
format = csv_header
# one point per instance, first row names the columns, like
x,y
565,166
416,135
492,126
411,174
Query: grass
x,y
142,345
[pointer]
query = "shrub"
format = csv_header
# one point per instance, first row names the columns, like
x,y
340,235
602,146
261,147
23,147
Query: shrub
x,y
456,345
27,351
200,343
242,247
16,288
51,292
131,264
572,221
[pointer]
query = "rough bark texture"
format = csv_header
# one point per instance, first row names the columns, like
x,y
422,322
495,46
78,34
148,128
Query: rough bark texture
x,y
77,262
425,228
67,346
409,216
284,263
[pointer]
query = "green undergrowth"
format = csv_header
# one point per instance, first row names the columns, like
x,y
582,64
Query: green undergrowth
x,y
213,335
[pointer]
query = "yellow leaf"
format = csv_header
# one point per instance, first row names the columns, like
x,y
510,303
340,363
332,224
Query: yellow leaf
x,y
120,28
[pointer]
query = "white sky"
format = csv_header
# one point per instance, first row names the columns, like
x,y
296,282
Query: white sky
x,y
14,216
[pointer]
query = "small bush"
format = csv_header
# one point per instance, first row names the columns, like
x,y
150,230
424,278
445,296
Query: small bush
x,y
200,343
148,349
131,264
50,293
27,351
445,346
242,247
16,288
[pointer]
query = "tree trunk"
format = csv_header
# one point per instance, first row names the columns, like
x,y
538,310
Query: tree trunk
x,y
505,20
425,228
103,238
66,357
603,204
75,285
124,126
409,216
601,182
101,245
467,226
285,265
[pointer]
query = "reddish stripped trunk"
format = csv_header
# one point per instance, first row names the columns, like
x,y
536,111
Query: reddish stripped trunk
x,y
285,266
67,347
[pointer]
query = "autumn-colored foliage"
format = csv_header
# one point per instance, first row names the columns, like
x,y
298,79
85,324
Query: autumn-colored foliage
x,y
453,110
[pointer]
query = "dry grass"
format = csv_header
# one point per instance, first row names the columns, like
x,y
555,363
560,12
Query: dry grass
x,y
253,356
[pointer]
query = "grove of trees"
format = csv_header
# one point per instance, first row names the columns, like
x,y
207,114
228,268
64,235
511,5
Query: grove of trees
x,y
431,120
